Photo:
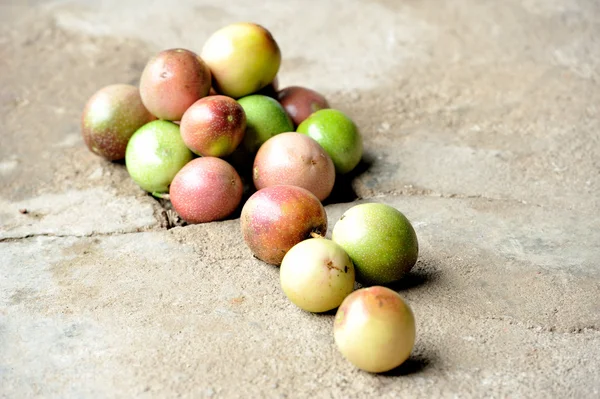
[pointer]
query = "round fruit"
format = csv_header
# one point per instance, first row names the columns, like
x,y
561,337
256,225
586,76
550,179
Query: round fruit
x,y
380,241
110,118
172,81
265,118
316,275
205,190
374,329
155,154
276,218
297,160
300,102
338,135
213,126
243,58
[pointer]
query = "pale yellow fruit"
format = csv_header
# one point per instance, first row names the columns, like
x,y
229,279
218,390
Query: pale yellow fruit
x,y
243,58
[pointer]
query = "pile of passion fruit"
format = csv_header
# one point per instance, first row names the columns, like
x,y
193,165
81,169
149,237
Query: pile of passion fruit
x,y
199,122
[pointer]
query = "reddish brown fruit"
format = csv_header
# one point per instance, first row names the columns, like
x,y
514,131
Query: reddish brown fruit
x,y
213,126
205,190
110,118
300,102
276,218
172,81
297,160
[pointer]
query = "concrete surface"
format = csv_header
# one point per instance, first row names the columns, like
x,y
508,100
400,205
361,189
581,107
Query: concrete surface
x,y
481,123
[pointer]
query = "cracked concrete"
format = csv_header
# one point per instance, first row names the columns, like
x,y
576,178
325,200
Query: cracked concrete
x,y
481,124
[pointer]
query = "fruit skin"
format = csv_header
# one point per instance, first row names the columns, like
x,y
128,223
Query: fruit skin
x,y
270,90
243,58
110,117
297,160
155,154
380,240
301,102
374,329
316,275
338,135
172,81
213,126
276,218
265,118
206,189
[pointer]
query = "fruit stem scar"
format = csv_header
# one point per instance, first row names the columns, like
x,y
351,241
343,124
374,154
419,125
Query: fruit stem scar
x,y
331,266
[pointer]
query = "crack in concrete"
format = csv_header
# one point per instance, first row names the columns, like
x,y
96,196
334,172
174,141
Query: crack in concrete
x,y
168,219
428,193
87,235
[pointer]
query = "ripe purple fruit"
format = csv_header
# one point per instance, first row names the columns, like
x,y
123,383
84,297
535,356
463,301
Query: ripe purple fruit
x,y
213,126
276,218
205,190
301,102
110,118
297,160
172,81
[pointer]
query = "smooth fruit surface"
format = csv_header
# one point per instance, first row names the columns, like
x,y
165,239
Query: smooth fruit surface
x,y
380,240
110,118
213,126
276,218
374,329
301,102
172,81
297,160
265,118
338,135
316,275
243,58
205,190
155,154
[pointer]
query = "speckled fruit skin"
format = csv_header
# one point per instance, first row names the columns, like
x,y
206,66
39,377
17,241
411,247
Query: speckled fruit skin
x,y
301,102
110,118
155,154
338,135
243,58
213,126
205,190
316,275
276,218
374,329
172,81
265,118
380,241
297,160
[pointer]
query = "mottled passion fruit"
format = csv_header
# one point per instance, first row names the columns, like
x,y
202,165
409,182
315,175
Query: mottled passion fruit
x,y
276,218
172,81
110,117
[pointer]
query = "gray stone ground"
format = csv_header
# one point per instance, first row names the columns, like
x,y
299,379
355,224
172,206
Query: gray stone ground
x,y
481,123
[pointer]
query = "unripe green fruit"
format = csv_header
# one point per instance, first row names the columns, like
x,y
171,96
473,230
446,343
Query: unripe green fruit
x,y
380,241
155,154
